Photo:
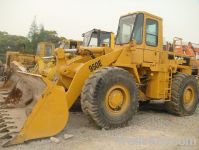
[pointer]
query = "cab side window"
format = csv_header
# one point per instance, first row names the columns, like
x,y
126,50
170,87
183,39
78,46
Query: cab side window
x,y
105,39
137,33
151,32
48,50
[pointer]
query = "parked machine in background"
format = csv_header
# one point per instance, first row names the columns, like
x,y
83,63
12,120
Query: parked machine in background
x,y
97,38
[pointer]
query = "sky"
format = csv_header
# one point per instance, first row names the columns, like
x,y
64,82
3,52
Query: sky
x,y
71,18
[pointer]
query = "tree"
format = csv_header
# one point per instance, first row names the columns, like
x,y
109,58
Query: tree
x,y
33,34
13,43
41,35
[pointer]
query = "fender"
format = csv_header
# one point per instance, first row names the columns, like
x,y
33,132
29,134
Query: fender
x,y
131,68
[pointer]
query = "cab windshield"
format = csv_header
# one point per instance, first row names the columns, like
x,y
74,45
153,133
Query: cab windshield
x,y
45,50
93,40
126,25
87,37
96,39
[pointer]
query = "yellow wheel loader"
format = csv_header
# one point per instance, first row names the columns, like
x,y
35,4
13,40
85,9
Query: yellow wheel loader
x,y
109,81
45,62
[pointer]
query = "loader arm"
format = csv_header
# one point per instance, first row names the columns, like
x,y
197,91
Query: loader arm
x,y
85,71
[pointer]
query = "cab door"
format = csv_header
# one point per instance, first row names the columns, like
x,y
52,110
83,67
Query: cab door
x,y
152,44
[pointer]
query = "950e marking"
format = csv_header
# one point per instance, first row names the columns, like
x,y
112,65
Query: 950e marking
x,y
95,66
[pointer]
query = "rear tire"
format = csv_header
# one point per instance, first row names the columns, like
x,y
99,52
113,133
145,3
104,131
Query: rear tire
x,y
184,95
110,97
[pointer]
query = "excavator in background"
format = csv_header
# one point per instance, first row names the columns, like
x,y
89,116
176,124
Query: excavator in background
x,y
109,81
196,48
191,50
195,62
182,49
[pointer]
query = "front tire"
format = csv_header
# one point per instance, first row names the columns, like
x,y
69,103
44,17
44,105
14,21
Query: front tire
x,y
110,97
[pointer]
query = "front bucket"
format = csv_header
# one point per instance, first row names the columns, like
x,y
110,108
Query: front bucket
x,y
47,117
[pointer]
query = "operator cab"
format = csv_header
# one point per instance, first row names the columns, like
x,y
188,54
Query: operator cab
x,y
145,30
141,27
45,49
70,44
96,38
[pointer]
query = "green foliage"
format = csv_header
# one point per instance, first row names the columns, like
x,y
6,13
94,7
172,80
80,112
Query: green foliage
x,y
28,44
13,42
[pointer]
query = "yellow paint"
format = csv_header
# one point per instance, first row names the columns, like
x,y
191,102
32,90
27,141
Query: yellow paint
x,y
150,66
188,96
117,99
48,117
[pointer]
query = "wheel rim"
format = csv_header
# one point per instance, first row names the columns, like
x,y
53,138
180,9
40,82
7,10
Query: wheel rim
x,y
188,97
117,99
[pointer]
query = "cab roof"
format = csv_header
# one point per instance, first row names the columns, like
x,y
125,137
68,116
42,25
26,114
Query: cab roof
x,y
96,30
143,12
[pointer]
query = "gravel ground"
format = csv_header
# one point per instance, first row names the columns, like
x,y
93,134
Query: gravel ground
x,y
149,130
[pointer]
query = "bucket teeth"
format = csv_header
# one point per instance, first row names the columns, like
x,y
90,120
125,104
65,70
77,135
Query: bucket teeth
x,y
3,114
6,136
3,110
3,105
4,124
2,120
7,129
5,118
11,122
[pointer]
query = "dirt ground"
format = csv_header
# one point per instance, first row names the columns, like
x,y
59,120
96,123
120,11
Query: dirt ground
x,y
149,130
